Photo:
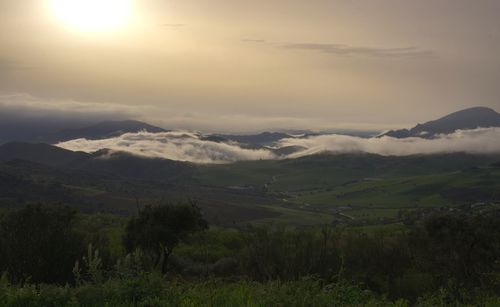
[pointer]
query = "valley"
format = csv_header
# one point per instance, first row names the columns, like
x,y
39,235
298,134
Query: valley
x,y
354,189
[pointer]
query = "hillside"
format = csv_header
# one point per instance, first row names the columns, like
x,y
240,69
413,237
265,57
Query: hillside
x,y
103,130
48,130
472,118
39,153
304,191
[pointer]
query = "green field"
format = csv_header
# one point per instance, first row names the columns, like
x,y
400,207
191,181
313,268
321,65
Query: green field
x,y
360,187
307,191
294,217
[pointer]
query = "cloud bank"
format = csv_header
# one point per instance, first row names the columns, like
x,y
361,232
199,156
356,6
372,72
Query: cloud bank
x,y
181,146
477,141
193,147
28,106
75,114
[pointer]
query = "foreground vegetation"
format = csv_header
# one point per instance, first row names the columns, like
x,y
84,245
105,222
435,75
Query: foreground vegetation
x,y
167,256
153,290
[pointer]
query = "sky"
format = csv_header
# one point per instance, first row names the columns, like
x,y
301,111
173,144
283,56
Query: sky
x,y
233,66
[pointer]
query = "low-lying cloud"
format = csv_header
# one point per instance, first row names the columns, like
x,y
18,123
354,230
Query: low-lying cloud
x,y
181,146
193,147
477,141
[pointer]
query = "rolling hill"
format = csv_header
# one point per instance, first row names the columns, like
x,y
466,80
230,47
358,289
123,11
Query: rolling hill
x,y
53,130
39,153
103,130
303,191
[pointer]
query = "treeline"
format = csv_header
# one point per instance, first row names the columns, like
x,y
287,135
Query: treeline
x,y
452,258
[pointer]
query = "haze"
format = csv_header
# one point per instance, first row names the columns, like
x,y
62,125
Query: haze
x,y
236,65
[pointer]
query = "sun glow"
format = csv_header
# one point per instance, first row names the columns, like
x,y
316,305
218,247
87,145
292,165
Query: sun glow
x,y
92,15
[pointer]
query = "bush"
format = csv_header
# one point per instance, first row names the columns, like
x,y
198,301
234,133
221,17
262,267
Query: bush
x,y
39,244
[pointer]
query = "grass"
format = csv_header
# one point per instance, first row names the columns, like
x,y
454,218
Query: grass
x,y
373,214
295,217
373,186
153,290
381,228
85,190
302,191
403,192
256,173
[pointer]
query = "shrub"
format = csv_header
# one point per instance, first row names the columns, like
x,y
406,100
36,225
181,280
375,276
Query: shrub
x,y
39,244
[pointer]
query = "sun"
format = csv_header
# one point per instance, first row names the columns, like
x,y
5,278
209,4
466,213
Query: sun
x,y
92,15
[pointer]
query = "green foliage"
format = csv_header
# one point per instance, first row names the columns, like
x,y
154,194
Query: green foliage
x,y
134,264
289,254
154,290
446,259
463,248
39,244
158,230
92,266
104,232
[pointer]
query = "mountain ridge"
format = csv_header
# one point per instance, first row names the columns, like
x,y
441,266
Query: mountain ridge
x,y
52,131
105,129
466,119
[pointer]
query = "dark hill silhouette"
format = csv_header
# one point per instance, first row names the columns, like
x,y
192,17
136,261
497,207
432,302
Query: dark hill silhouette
x,y
103,162
39,153
127,165
478,117
288,150
16,128
104,130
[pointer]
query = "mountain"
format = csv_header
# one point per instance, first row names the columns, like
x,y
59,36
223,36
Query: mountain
x,y
46,129
126,165
287,150
15,127
103,162
103,130
39,153
478,117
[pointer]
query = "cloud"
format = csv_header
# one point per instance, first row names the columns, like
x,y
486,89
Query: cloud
x,y
349,50
15,105
477,141
28,106
191,147
181,146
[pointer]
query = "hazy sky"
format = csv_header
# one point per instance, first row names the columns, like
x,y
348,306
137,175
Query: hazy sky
x,y
234,65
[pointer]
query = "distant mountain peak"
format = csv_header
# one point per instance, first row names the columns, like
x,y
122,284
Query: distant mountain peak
x,y
474,113
471,118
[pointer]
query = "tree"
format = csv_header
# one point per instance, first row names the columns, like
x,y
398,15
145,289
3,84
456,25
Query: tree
x,y
159,229
464,247
39,244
